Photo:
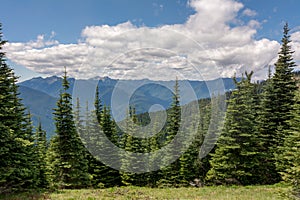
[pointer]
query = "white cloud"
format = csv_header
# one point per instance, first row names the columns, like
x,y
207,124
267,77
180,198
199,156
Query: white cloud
x,y
39,43
206,46
295,37
250,13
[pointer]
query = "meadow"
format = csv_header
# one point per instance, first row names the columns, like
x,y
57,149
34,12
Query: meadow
x,y
273,192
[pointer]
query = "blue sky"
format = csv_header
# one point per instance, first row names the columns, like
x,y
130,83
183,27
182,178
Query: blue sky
x,y
61,24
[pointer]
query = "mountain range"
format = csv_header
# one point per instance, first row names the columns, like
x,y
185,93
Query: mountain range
x,y
40,94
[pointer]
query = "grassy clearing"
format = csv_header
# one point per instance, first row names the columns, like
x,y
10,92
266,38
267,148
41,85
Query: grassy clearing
x,y
205,193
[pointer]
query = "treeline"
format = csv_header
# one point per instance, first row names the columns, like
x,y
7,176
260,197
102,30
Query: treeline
x,y
258,144
81,156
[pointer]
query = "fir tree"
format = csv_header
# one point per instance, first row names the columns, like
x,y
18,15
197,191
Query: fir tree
x,y
132,144
209,129
90,137
153,176
267,129
111,177
276,103
284,85
235,160
288,156
68,165
17,163
170,173
98,105
41,148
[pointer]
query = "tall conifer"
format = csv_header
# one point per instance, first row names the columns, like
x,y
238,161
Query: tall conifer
x,y
17,163
235,160
68,164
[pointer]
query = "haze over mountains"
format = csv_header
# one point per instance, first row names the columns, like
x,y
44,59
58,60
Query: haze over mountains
x,y
40,94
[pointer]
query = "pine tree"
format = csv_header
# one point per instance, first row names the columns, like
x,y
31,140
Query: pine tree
x,y
41,149
267,129
212,112
92,140
31,155
284,85
132,144
98,105
153,143
288,158
17,163
277,100
111,177
68,165
236,158
170,173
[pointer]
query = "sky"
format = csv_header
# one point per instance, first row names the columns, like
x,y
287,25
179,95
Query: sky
x,y
154,39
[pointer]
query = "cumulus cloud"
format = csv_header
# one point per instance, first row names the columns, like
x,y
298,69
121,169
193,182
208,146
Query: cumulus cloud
x,y
250,13
295,37
208,45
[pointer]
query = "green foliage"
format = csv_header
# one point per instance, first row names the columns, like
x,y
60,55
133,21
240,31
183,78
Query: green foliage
x,y
283,85
68,166
132,145
41,149
267,130
288,158
171,172
277,100
98,105
18,159
236,158
261,134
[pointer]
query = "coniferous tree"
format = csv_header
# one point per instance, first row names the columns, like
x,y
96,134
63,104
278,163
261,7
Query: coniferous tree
x,y
32,155
132,144
212,112
276,103
90,137
98,105
235,160
41,148
170,173
154,176
17,163
267,129
284,85
288,156
67,161
111,177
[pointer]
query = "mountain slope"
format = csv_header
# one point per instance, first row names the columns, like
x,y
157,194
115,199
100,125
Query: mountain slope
x,y
40,94
40,106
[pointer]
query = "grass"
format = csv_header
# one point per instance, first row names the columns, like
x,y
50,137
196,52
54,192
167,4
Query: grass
x,y
205,193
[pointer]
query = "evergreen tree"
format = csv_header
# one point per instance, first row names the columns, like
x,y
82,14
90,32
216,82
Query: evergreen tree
x,y
284,85
267,129
288,158
132,144
68,164
41,148
31,155
153,144
211,120
170,173
17,163
277,100
236,158
111,177
98,105
90,137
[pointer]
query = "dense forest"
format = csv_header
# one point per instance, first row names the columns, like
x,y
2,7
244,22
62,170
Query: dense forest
x,y
259,142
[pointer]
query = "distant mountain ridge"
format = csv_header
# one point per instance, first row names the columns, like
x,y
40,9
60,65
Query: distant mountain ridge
x,y
40,94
